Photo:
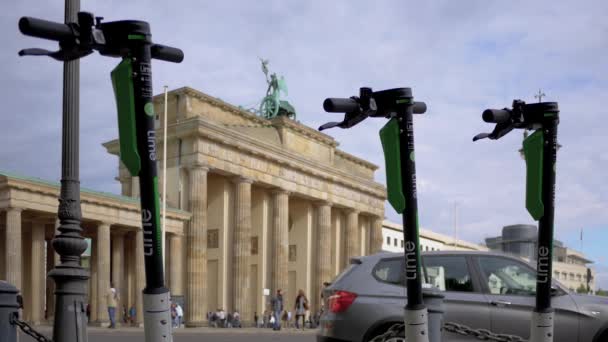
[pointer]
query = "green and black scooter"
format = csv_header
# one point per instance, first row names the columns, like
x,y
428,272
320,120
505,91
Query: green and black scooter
x,y
540,150
132,81
397,138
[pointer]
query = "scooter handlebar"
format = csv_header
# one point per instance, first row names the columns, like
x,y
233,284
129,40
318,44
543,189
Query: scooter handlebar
x,y
419,107
45,29
167,53
496,115
340,105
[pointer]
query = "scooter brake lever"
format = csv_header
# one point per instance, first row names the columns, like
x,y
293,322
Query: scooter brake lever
x,y
61,55
499,131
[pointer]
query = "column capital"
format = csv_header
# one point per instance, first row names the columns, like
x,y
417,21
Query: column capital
x,y
241,179
14,209
279,191
323,203
197,165
352,211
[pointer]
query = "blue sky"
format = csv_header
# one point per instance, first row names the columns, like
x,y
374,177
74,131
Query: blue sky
x,y
460,57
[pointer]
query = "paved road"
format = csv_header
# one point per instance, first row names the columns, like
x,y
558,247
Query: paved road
x,y
208,335
192,335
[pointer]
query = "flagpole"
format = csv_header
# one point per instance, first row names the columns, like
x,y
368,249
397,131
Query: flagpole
x,y
164,179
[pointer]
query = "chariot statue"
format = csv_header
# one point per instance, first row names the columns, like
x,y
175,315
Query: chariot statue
x,y
272,105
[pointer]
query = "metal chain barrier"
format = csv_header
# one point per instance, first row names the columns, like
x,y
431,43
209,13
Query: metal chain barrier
x,y
27,329
397,333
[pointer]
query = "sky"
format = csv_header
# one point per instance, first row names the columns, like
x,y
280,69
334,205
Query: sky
x,y
460,57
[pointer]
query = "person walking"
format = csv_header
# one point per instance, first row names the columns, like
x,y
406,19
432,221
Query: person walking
x,y
180,314
112,300
301,306
277,307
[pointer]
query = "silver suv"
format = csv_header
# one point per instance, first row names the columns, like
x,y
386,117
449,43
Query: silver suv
x,y
482,290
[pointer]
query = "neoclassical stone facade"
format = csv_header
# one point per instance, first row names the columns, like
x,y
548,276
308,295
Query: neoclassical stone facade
x,y
256,204
28,221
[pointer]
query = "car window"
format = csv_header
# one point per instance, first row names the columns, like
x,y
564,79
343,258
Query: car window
x,y
448,273
390,271
506,276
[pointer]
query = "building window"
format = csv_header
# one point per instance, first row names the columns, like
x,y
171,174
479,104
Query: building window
x,y
427,248
388,240
213,238
293,253
254,245
402,244
556,274
395,242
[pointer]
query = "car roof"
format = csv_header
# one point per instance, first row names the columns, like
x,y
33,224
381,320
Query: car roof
x,y
382,255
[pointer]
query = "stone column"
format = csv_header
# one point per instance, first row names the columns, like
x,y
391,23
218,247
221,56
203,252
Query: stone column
x,y
38,276
280,240
323,250
94,282
50,284
376,235
242,248
352,235
103,271
196,288
118,250
140,277
176,268
13,247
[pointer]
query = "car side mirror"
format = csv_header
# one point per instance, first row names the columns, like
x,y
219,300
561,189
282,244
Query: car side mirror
x,y
555,291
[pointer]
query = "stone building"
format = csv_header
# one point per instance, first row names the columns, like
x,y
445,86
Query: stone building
x,y
253,204
570,267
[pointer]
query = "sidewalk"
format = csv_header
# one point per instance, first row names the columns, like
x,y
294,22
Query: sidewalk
x,y
46,329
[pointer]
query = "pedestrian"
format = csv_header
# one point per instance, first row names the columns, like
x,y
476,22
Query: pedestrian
x,y
277,307
255,319
133,314
20,304
125,314
112,299
221,315
88,310
173,316
236,320
301,306
180,315
284,319
289,319
229,320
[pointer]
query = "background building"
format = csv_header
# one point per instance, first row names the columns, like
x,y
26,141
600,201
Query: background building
x,y
570,267
392,240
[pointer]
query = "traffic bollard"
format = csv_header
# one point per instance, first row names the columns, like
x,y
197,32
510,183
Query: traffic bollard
x,y
9,308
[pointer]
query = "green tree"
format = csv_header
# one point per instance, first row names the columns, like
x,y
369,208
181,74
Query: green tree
x,y
582,289
601,292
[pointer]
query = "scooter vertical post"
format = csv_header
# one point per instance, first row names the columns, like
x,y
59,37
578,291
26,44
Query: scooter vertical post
x,y
156,297
543,315
416,315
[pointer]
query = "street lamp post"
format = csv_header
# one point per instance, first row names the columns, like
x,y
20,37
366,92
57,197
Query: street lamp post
x,y
70,278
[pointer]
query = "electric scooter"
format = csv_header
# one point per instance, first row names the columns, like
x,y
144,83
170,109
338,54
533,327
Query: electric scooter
x,y
540,150
397,138
132,81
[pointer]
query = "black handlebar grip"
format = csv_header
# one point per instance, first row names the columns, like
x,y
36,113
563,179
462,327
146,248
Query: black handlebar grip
x,y
45,29
419,107
496,115
339,105
167,53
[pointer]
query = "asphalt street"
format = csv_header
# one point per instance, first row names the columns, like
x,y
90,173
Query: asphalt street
x,y
208,335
